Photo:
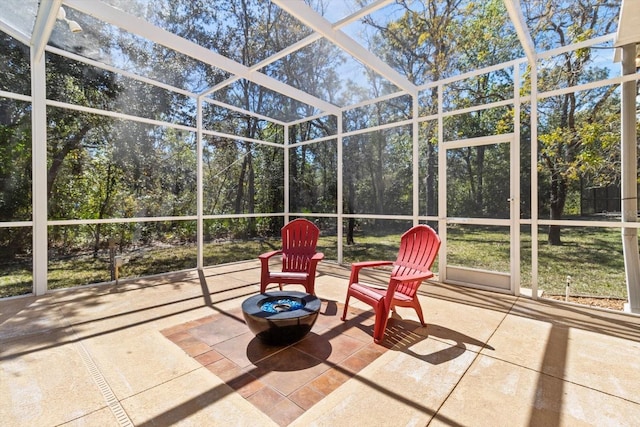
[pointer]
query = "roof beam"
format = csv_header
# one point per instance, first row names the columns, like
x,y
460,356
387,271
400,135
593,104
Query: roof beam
x,y
305,14
517,18
628,23
301,44
284,52
23,38
165,38
45,20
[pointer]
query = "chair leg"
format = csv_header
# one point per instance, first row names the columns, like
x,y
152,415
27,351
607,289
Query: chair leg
x,y
418,309
310,288
346,307
382,316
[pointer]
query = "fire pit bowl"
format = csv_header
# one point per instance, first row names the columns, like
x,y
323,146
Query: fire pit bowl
x,y
281,317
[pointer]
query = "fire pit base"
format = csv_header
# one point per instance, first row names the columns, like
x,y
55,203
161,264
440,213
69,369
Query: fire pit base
x,y
281,317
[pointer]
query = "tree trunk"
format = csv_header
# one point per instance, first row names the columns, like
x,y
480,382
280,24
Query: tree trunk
x,y
96,240
350,228
479,196
558,199
350,209
251,195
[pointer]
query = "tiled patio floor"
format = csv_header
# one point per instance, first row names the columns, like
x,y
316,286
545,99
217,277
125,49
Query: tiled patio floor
x,y
174,350
282,381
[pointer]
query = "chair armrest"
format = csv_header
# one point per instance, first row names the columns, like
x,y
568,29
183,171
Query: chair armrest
x,y
394,281
412,278
365,264
357,266
313,263
268,255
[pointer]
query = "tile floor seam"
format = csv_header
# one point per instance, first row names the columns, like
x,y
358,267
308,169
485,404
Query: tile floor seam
x,y
79,418
105,389
111,400
565,380
174,378
485,345
598,391
538,371
113,403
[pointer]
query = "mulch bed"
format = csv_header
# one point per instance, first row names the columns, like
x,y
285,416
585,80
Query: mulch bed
x,y
601,302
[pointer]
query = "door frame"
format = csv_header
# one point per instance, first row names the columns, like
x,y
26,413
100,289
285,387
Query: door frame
x,y
497,281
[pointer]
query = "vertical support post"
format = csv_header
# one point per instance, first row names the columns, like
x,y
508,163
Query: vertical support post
x,y
415,126
39,171
339,196
514,211
442,190
534,179
629,171
199,186
286,173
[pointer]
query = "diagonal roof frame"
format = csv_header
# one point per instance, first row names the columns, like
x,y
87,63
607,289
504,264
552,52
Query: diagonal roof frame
x,y
165,38
312,19
43,26
370,8
514,9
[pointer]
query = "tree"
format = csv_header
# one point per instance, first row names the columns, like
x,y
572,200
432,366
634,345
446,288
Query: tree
x,y
423,46
15,148
565,120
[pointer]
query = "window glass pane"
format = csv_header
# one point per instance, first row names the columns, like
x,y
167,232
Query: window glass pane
x,y
16,249
109,168
15,160
246,31
19,14
428,101
248,96
15,71
114,46
377,172
372,239
579,154
598,248
313,177
478,181
379,113
577,67
479,247
428,173
242,177
239,239
557,24
492,121
80,84
84,254
479,90
220,119
313,129
428,41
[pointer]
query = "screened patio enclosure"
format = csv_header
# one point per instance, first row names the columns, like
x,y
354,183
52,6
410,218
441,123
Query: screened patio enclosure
x,y
197,129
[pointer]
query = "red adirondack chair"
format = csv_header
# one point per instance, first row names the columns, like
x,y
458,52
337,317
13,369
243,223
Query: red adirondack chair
x,y
299,257
418,249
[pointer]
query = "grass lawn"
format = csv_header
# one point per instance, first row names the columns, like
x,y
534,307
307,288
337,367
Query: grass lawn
x,y
591,257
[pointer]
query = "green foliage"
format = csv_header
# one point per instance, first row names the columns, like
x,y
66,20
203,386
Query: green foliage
x,y
477,247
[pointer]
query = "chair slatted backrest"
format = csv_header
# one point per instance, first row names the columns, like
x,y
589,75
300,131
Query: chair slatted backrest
x,y
299,240
418,249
